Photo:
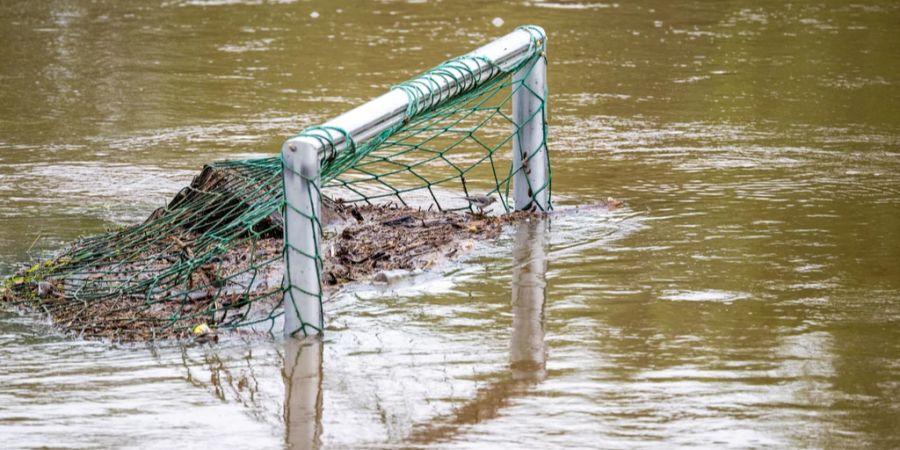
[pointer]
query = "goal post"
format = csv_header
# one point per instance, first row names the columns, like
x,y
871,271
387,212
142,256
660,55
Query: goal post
x,y
520,54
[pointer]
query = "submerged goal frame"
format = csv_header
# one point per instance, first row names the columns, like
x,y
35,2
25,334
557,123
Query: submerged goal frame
x,y
302,155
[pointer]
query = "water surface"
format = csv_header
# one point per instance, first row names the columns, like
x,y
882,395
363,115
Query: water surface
x,y
748,295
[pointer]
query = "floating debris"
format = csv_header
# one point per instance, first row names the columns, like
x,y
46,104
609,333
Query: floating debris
x,y
214,256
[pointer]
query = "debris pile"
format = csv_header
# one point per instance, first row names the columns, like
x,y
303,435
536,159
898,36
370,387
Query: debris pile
x,y
387,238
242,284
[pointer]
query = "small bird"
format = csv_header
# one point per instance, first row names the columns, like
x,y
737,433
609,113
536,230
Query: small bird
x,y
480,201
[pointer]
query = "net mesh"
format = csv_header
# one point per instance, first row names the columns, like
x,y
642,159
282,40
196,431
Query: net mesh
x,y
213,257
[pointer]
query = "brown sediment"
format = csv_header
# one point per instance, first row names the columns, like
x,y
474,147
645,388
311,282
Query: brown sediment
x,y
365,241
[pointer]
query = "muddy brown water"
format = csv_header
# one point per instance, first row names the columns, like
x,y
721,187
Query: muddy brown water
x,y
748,295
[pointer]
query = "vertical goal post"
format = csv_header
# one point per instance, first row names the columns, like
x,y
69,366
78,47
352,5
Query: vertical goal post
x,y
521,54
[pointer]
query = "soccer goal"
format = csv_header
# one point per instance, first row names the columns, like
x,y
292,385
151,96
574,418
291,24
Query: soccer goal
x,y
473,125
241,245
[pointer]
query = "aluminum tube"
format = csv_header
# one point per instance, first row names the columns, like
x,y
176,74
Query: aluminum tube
x,y
530,189
389,109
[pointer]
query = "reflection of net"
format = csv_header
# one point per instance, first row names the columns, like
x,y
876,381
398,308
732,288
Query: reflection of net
x,y
214,254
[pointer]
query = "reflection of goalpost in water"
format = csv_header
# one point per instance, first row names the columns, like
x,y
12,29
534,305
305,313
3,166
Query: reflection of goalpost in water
x,y
304,390
436,132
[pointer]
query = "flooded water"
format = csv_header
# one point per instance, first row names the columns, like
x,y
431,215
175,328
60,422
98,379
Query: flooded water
x,y
748,295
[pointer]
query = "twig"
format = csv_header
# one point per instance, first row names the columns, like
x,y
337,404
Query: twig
x,y
28,252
